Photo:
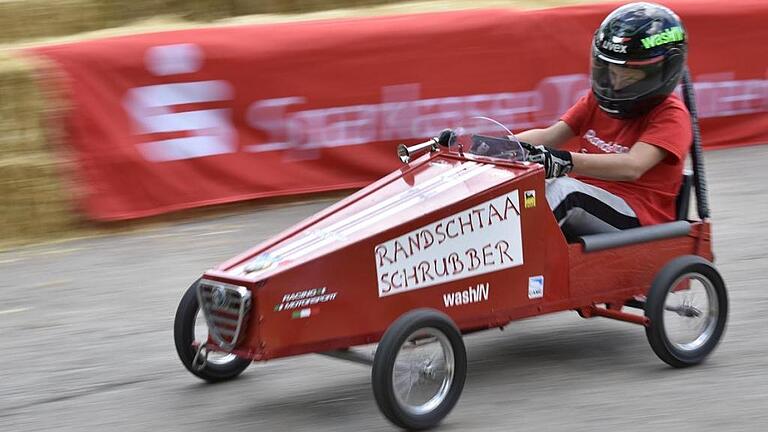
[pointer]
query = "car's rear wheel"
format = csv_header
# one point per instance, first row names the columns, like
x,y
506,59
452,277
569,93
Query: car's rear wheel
x,y
419,369
190,332
687,305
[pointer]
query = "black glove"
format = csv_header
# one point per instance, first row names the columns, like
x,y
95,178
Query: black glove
x,y
557,163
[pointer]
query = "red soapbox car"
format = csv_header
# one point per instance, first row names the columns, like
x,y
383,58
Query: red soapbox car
x,y
453,242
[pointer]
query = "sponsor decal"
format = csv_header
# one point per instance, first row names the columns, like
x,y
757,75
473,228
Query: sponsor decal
x,y
615,47
478,240
305,298
304,313
673,34
608,147
530,199
470,295
535,287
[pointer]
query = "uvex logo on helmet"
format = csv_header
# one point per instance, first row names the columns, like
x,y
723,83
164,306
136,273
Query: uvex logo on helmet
x,y
673,34
617,48
616,44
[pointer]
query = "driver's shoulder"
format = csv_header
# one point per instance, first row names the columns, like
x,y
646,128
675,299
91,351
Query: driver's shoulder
x,y
672,104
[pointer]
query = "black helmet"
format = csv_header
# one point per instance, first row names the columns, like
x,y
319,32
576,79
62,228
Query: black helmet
x,y
638,56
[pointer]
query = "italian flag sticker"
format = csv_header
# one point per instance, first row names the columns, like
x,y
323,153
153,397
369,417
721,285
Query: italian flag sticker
x,y
304,313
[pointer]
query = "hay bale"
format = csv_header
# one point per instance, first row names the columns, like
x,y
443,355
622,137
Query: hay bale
x,y
248,7
32,199
33,203
122,12
25,19
20,105
34,19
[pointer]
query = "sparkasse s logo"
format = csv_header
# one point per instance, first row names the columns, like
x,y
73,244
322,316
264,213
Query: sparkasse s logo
x,y
167,130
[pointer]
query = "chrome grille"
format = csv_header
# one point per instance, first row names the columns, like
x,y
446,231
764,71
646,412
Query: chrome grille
x,y
226,309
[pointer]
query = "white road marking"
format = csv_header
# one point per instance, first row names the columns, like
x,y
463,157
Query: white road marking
x,y
59,251
163,235
214,233
10,311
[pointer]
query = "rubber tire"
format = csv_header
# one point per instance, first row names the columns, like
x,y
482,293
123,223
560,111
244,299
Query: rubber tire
x,y
184,335
384,361
654,310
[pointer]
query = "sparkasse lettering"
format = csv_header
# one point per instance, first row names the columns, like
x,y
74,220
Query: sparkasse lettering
x,y
609,147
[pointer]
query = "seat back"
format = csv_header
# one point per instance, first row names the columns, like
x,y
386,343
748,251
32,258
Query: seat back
x,y
684,196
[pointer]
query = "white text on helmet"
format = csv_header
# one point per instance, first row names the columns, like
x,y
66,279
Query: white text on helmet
x,y
618,48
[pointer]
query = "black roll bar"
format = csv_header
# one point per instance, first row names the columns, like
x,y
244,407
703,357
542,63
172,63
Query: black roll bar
x,y
697,158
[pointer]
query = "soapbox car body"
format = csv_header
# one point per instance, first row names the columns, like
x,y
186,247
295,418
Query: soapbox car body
x,y
451,243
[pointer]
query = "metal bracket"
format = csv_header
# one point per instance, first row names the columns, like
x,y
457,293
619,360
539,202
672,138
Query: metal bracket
x,y
202,349
350,355
592,311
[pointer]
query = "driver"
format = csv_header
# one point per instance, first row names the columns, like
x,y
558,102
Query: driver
x,y
631,134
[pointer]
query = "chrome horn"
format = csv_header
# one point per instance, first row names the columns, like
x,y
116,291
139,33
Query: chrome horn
x,y
406,153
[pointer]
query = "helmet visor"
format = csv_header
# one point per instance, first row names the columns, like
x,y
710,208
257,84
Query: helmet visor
x,y
626,80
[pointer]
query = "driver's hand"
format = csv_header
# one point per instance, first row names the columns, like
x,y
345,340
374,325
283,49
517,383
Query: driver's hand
x,y
557,163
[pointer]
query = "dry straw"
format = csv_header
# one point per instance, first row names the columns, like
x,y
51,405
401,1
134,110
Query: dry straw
x,y
33,203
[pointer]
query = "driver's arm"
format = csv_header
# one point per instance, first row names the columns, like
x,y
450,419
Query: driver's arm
x,y
553,136
621,167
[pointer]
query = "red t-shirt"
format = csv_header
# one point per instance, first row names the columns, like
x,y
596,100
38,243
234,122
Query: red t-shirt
x,y
667,126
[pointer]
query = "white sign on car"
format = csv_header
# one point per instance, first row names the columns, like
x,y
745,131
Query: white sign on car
x,y
482,239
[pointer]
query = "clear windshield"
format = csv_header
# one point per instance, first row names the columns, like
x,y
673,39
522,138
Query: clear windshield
x,y
486,137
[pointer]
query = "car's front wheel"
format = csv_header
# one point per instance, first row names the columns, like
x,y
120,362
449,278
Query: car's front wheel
x,y
190,331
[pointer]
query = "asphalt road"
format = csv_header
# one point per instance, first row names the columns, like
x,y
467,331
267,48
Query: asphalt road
x,y
86,343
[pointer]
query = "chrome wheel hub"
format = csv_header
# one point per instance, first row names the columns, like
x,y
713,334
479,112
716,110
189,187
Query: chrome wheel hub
x,y
690,312
423,371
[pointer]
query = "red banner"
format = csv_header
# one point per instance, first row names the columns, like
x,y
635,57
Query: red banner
x,y
173,120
